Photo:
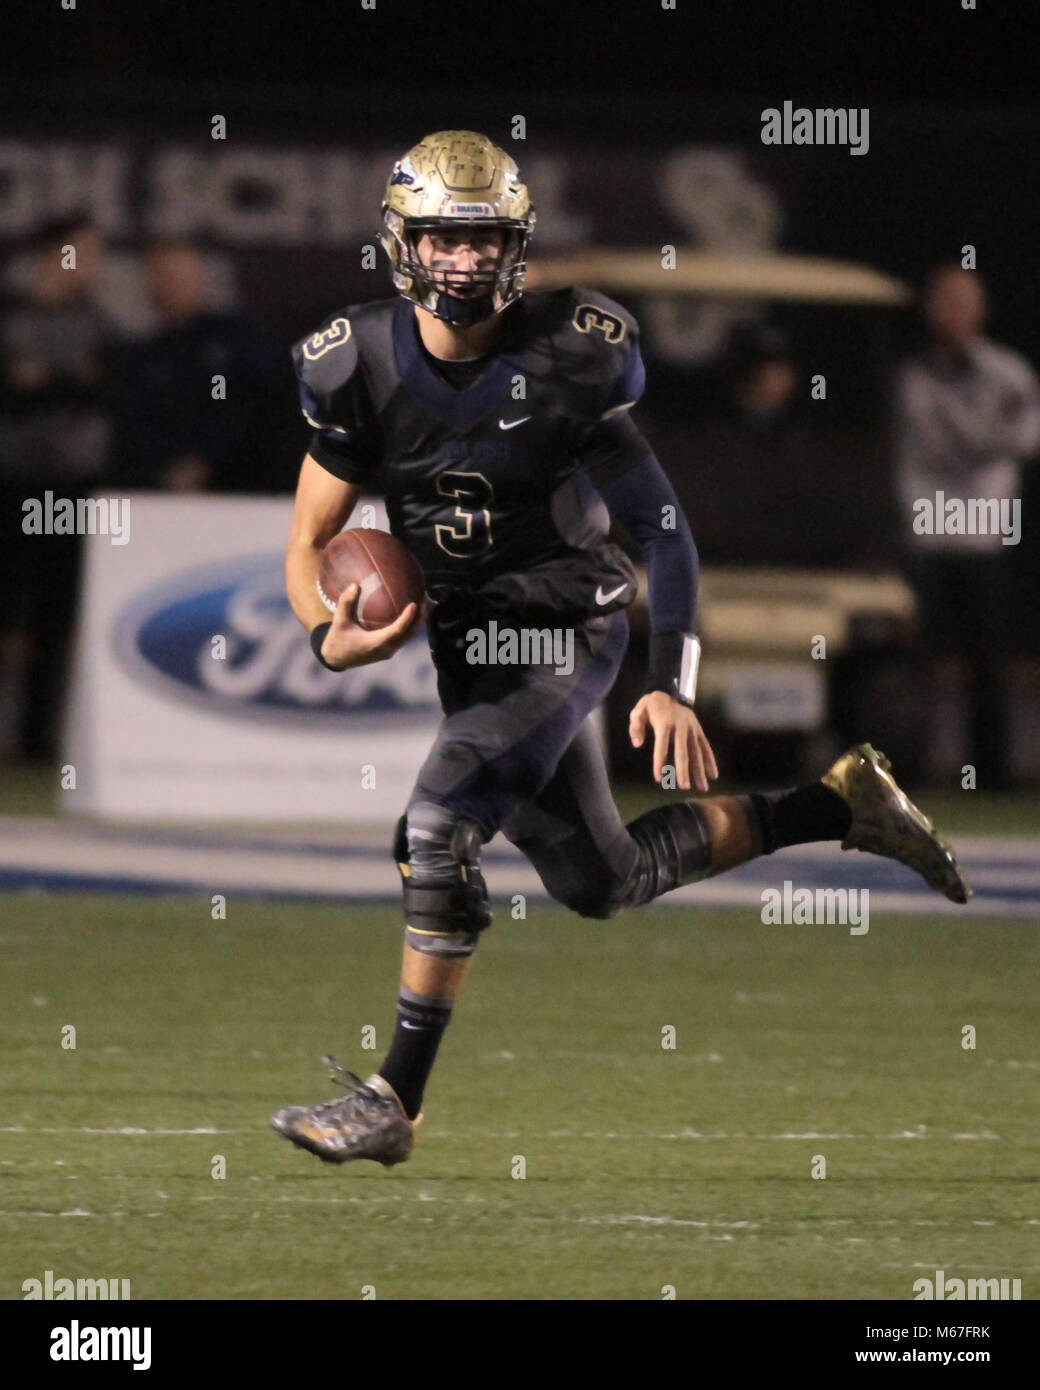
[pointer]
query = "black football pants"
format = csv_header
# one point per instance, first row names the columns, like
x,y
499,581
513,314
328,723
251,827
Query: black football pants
x,y
516,753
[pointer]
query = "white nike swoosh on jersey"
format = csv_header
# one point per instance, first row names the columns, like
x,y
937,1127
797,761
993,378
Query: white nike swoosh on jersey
x,y
512,424
601,597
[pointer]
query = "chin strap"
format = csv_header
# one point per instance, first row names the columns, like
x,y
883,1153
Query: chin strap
x,y
462,313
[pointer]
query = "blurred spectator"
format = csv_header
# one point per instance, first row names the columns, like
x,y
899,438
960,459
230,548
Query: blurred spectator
x,y
763,380
769,480
55,434
183,432
967,415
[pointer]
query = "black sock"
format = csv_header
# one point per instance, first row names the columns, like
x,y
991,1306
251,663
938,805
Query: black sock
x,y
798,816
421,1022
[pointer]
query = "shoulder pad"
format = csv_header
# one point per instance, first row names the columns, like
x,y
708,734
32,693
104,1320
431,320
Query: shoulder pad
x,y
325,363
592,343
603,320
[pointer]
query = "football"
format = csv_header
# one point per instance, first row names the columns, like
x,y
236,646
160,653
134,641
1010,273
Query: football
x,y
388,575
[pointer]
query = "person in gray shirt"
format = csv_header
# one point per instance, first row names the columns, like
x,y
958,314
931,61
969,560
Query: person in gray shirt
x,y
967,415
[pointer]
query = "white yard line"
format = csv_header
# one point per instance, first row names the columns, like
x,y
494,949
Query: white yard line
x,y
529,1136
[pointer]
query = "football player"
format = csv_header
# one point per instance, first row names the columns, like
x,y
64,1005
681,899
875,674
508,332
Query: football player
x,y
498,425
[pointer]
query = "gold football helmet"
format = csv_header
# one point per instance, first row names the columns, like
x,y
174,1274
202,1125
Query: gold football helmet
x,y
457,179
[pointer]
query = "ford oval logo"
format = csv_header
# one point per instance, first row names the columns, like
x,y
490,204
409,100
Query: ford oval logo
x,y
225,637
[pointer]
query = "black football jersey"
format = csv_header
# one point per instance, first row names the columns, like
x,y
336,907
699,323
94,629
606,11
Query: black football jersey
x,y
492,478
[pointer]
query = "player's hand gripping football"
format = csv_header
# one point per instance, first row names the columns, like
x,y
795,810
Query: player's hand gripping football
x,y
348,644
674,724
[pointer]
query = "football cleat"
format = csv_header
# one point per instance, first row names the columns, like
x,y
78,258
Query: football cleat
x,y
368,1123
885,821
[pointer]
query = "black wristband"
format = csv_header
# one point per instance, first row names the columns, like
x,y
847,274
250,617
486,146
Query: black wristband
x,y
674,658
317,638
663,667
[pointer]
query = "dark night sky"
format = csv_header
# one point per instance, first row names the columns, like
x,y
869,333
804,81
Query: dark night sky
x,y
845,50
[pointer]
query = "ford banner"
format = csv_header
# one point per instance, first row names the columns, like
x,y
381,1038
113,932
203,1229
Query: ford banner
x,y
196,695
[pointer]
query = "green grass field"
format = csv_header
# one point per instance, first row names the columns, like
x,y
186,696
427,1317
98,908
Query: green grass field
x,y
645,1167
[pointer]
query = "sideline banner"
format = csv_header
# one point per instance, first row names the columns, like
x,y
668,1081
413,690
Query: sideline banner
x,y
195,693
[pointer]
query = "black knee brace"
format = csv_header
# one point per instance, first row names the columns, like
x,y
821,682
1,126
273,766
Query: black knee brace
x,y
445,896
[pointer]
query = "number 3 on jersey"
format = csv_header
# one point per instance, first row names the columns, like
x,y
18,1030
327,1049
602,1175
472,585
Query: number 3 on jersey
x,y
470,534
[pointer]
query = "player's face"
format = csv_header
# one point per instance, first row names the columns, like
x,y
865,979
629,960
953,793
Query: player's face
x,y
456,255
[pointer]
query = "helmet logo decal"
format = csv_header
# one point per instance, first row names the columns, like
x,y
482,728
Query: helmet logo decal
x,y
404,172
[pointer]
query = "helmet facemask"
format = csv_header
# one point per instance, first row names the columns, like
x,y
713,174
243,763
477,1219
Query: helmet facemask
x,y
428,285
